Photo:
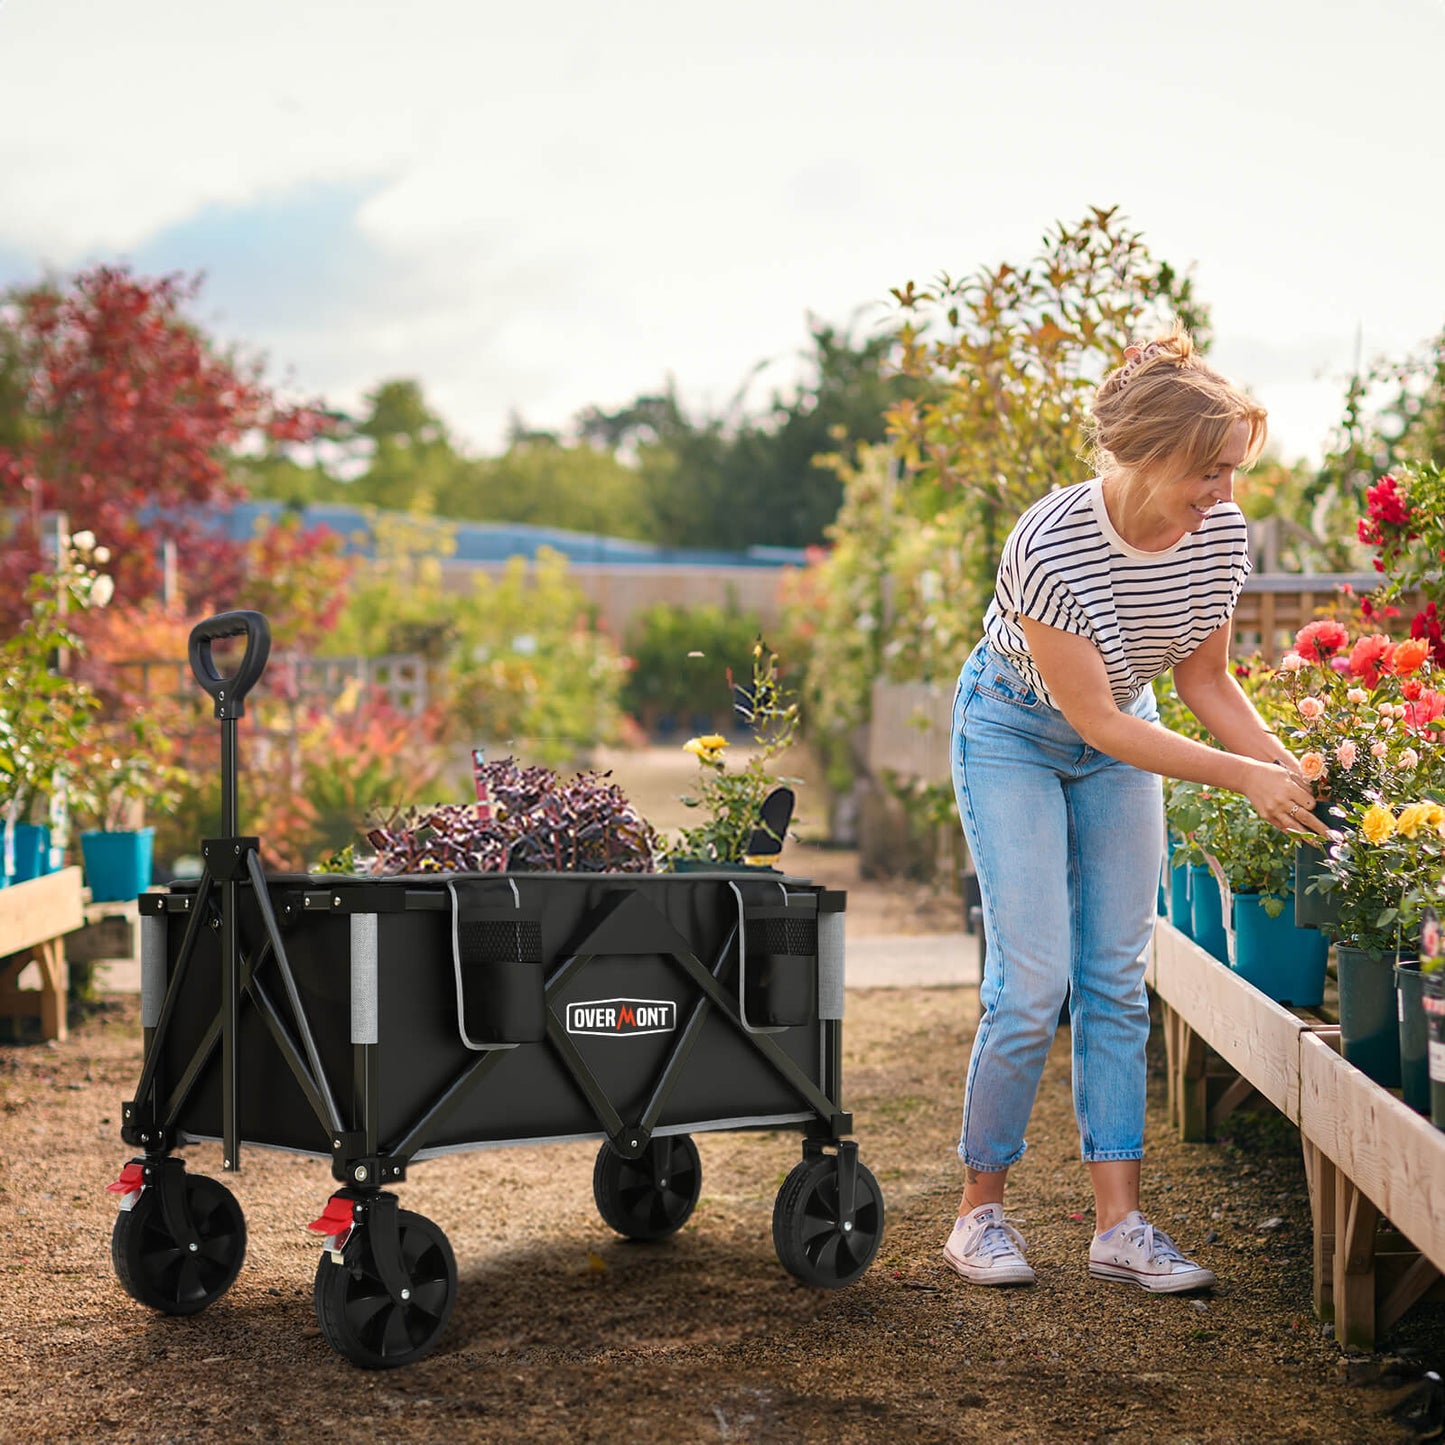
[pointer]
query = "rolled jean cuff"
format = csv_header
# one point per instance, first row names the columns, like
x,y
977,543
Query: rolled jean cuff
x,y
1116,1156
981,1168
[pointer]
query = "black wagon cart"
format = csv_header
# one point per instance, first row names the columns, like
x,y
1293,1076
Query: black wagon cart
x,y
379,1021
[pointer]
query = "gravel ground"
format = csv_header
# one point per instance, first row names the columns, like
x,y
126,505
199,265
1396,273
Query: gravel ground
x,y
564,1332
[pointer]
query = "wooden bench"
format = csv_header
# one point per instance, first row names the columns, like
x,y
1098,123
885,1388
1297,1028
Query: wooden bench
x,y
1368,1156
35,916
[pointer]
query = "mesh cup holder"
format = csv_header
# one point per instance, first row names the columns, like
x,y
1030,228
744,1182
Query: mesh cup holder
x,y
780,968
500,987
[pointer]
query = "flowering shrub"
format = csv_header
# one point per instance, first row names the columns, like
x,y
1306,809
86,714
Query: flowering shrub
x,y
1366,715
1405,523
734,800
1385,872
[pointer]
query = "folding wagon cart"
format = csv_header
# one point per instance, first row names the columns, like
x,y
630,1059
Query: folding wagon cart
x,y
378,1021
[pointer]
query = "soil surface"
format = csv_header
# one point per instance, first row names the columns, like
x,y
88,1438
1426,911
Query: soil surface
x,y
564,1331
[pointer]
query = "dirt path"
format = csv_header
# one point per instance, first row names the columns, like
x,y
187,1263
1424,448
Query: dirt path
x,y
565,1332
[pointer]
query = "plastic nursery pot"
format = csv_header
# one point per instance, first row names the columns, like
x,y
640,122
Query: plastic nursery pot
x,y
32,851
1179,898
118,865
1432,1001
1414,1037
1206,912
1369,1021
1313,910
1283,962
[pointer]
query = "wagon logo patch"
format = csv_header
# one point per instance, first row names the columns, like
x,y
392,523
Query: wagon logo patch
x,y
620,1017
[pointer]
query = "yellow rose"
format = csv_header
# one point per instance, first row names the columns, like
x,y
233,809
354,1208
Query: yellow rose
x,y
1415,816
1378,824
713,742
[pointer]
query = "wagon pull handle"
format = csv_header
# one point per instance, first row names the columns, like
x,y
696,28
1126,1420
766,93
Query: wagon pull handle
x,y
229,692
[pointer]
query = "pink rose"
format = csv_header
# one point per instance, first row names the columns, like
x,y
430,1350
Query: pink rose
x,y
1311,708
1378,750
1357,695
1409,758
1345,754
1291,662
1312,765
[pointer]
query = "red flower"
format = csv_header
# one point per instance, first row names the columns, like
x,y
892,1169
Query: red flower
x,y
1411,688
1386,504
1317,641
1369,657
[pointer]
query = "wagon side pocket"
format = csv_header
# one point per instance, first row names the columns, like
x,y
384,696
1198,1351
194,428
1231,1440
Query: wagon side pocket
x,y
497,955
780,964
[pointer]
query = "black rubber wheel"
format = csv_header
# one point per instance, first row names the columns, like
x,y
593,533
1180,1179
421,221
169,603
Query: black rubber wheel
x,y
812,1243
358,1316
160,1272
653,1195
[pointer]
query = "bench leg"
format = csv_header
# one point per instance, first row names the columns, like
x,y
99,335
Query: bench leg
x,y
1188,1087
1356,1220
54,987
1320,1178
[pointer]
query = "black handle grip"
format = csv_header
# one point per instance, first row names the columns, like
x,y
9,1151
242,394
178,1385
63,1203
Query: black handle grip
x,y
229,692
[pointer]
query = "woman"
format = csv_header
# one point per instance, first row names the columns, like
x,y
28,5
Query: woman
x,y
1058,761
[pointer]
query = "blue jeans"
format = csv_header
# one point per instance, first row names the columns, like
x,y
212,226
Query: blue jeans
x,y
1067,845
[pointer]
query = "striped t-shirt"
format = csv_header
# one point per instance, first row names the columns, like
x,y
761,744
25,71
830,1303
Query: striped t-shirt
x,y
1065,565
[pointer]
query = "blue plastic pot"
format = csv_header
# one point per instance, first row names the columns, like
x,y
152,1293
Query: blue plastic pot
x,y
118,865
1206,912
1179,897
1284,962
32,851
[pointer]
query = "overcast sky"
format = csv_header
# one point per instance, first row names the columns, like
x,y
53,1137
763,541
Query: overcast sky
x,y
536,207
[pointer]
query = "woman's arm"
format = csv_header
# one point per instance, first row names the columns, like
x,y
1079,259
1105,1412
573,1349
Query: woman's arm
x,y
1074,673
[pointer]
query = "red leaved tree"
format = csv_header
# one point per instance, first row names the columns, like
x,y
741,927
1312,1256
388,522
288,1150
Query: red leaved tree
x,y
116,409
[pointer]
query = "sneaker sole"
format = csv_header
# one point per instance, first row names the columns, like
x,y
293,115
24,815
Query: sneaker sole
x,y
1155,1283
1013,1274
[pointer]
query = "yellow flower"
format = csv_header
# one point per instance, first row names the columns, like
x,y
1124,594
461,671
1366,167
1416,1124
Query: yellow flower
x,y
1378,823
707,750
1415,816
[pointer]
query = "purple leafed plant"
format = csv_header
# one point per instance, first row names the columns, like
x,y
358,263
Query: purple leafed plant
x,y
527,819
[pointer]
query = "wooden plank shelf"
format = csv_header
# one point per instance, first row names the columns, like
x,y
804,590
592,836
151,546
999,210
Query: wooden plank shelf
x,y
35,916
1370,1160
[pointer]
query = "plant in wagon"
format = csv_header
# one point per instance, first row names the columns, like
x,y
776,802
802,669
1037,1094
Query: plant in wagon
x,y
734,798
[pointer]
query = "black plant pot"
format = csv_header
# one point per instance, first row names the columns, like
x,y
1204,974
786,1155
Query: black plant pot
x,y
1311,909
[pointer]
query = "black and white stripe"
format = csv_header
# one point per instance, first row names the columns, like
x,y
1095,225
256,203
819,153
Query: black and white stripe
x,y
1066,566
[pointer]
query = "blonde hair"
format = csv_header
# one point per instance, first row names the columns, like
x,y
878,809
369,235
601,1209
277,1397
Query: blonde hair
x,y
1167,414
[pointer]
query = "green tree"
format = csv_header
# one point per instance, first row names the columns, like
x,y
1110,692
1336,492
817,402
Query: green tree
x,y
1010,357
542,482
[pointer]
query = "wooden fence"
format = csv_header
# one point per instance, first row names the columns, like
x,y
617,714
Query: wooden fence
x,y
908,732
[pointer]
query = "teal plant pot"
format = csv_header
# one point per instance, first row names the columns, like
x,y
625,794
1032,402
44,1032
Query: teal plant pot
x,y
32,851
1369,1022
118,865
1414,1036
1179,898
1206,912
1284,962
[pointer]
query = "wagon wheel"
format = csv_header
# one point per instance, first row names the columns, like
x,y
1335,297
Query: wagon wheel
x,y
653,1195
812,1242
356,1312
158,1270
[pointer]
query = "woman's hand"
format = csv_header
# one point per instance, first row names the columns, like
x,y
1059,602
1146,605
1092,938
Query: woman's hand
x,y
1281,796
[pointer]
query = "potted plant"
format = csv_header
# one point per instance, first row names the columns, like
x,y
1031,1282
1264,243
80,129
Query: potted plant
x,y
43,710
1362,717
1382,874
748,808
1193,818
118,777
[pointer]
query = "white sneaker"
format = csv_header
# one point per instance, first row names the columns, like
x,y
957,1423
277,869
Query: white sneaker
x,y
1134,1249
985,1249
